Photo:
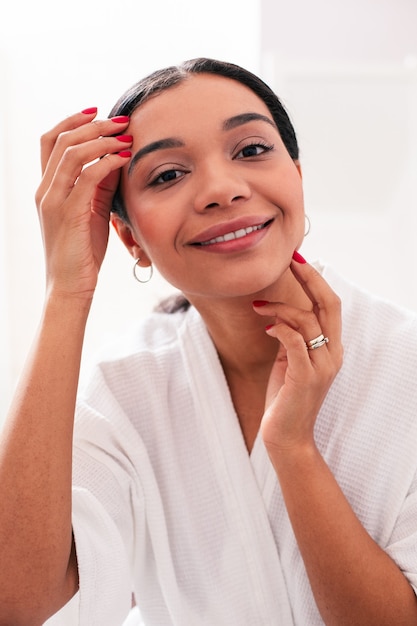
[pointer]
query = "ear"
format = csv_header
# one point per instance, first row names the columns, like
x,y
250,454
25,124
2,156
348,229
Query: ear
x,y
127,236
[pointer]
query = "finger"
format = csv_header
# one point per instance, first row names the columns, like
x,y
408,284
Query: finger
x,y
302,321
79,135
300,324
293,342
325,302
78,204
49,138
76,159
71,132
304,367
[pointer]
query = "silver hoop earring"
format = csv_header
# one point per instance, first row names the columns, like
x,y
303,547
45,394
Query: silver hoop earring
x,y
135,267
308,225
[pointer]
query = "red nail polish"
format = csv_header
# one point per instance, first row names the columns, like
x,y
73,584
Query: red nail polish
x,y
120,119
125,138
297,257
260,302
268,327
125,153
89,111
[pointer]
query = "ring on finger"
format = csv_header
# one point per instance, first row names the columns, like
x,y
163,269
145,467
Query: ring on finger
x,y
317,342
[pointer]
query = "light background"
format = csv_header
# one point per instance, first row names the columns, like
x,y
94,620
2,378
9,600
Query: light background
x,y
346,71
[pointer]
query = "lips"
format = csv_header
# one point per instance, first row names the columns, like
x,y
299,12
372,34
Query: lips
x,y
228,233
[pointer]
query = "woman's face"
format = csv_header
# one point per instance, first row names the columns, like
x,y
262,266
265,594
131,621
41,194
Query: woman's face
x,y
213,197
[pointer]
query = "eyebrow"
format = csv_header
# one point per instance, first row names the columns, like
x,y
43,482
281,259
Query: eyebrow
x,y
245,118
173,142
161,144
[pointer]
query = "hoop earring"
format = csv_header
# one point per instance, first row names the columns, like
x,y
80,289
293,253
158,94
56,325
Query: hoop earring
x,y
136,265
308,225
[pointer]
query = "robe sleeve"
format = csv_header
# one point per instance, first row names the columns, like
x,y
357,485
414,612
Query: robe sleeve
x,y
402,547
106,501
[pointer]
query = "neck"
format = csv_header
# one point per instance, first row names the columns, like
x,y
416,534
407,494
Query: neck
x,y
238,332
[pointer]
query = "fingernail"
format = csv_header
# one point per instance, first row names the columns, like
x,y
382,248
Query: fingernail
x,y
297,257
125,153
120,119
125,138
260,302
268,327
89,111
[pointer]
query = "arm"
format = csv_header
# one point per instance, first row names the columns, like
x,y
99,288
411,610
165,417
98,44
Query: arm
x,y
39,569
348,572
353,580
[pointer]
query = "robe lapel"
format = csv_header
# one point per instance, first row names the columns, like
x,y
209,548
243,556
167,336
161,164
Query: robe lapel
x,y
247,482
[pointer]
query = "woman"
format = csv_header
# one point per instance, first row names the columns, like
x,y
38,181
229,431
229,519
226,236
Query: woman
x,y
227,467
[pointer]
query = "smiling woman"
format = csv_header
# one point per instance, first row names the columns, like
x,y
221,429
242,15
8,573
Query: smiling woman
x,y
213,463
232,151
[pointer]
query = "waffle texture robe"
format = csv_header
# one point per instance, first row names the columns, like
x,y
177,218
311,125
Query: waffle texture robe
x,y
168,504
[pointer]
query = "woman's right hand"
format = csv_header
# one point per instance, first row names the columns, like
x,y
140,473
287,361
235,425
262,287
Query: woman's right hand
x,y
81,160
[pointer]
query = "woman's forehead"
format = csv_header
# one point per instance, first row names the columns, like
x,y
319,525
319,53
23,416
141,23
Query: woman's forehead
x,y
197,98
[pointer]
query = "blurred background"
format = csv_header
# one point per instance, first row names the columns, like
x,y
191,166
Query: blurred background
x,y
347,73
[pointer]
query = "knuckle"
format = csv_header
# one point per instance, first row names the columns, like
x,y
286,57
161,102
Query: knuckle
x,y
44,205
307,317
38,197
101,127
95,170
46,138
87,174
63,139
69,155
337,302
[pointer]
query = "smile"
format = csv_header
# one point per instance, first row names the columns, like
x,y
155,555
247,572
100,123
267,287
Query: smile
x,y
235,234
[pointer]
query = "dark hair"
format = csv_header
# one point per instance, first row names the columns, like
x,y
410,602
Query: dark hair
x,y
169,77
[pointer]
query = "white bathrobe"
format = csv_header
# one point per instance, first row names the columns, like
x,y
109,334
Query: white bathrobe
x,y
168,504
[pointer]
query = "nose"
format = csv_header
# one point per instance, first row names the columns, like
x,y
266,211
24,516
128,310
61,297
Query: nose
x,y
219,186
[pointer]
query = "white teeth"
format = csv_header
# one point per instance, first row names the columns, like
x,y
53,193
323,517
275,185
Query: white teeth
x,y
236,234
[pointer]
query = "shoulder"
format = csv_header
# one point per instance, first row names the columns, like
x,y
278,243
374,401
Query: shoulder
x,y
380,347
371,321
155,333
146,352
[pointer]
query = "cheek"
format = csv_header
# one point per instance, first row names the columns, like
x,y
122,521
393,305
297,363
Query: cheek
x,y
156,232
283,183
293,190
294,201
142,217
289,197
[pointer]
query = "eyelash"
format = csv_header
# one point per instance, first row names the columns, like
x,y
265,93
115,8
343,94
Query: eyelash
x,y
154,182
259,144
265,148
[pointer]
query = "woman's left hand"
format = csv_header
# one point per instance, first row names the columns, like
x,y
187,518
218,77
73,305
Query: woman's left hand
x,y
301,377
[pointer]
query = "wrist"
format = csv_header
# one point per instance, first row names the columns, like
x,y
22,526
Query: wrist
x,y
298,455
69,308
56,296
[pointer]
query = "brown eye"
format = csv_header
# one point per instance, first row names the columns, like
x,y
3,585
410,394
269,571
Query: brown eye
x,y
167,177
253,150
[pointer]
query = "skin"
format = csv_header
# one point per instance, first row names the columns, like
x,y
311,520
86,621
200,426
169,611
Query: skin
x,y
212,180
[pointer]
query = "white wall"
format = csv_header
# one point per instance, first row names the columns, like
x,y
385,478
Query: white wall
x,y
58,58
5,345
359,163
347,72
305,33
